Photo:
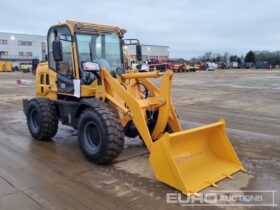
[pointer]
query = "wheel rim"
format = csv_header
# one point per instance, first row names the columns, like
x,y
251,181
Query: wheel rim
x,y
92,136
34,120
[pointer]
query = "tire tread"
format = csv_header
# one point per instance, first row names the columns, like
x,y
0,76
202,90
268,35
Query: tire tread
x,y
49,119
114,130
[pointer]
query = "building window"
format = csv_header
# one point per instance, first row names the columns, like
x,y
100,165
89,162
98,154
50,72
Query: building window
x,y
3,41
44,49
25,54
43,45
25,43
153,57
5,53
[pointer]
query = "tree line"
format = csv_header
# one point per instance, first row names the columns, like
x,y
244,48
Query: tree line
x,y
272,58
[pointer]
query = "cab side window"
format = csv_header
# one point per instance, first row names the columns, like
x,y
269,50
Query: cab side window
x,y
65,66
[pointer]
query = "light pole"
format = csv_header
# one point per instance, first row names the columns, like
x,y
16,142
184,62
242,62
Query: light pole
x,y
12,38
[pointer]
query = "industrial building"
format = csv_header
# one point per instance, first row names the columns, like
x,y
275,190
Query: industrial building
x,y
20,49
149,52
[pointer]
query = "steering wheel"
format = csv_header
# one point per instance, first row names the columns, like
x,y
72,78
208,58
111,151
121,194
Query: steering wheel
x,y
120,71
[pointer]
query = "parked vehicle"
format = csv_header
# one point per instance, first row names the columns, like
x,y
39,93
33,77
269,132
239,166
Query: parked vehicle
x,y
161,66
210,66
248,65
25,67
223,65
262,65
235,65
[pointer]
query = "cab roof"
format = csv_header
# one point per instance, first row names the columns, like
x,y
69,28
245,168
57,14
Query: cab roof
x,y
81,27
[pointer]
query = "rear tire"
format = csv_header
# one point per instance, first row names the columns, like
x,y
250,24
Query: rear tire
x,y
100,134
42,119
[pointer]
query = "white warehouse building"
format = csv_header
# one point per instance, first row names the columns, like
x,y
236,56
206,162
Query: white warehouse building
x,y
22,48
150,52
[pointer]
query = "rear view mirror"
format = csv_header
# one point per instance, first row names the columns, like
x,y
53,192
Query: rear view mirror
x,y
136,43
139,52
57,51
90,66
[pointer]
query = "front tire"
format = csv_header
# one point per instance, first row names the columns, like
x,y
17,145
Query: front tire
x,y
100,134
42,119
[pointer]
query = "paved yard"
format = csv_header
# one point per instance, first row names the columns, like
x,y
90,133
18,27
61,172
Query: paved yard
x,y
35,175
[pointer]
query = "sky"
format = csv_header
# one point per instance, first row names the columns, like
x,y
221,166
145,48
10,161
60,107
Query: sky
x,y
189,27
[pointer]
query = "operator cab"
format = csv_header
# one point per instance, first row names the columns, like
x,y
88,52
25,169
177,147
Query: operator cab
x,y
79,51
103,49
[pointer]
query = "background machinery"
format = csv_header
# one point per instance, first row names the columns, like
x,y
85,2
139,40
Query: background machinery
x,y
130,64
6,66
84,85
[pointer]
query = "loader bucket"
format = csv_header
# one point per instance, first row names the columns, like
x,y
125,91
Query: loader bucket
x,y
194,159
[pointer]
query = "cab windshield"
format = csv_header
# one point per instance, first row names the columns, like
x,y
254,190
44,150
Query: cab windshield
x,y
104,49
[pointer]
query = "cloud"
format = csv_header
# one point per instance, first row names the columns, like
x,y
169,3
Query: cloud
x,y
189,27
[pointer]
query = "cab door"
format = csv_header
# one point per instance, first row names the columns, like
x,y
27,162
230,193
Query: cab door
x,y
64,67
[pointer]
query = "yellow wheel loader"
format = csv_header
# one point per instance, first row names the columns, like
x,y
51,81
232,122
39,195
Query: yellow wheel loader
x,y
84,84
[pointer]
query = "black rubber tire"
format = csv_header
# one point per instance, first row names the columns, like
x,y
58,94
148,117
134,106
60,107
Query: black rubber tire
x,y
42,119
100,133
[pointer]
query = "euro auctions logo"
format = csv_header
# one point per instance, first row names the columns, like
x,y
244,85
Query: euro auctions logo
x,y
225,198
